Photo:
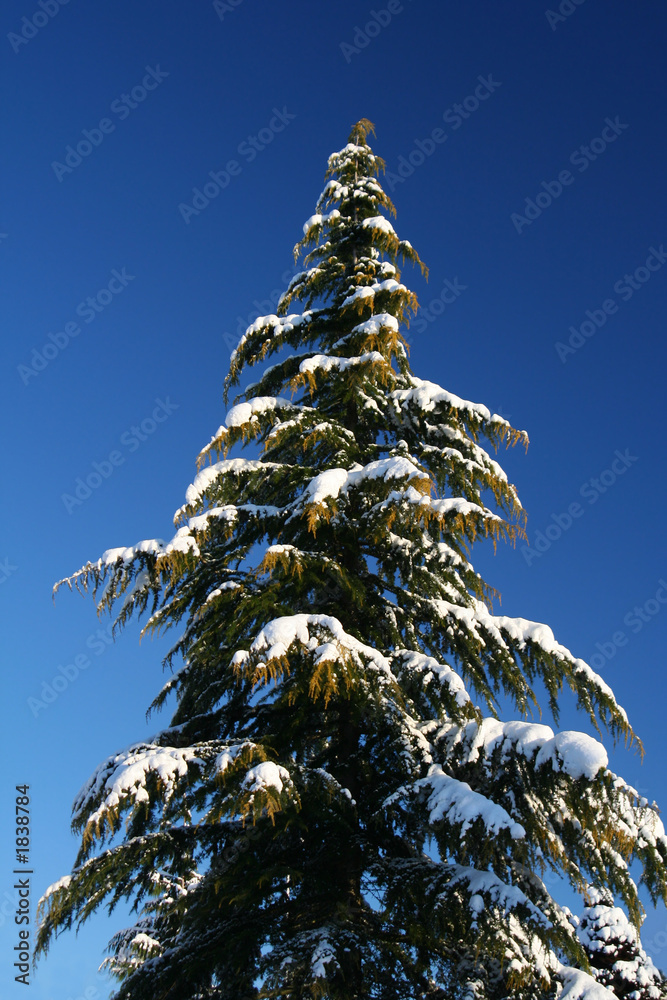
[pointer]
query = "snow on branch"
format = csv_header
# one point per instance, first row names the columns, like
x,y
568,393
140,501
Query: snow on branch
x,y
243,413
333,482
228,467
273,326
419,663
482,884
333,656
455,802
428,397
579,985
326,363
638,820
121,781
574,753
379,223
315,222
521,631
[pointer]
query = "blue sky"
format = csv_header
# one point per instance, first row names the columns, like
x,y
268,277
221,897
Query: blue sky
x,y
526,155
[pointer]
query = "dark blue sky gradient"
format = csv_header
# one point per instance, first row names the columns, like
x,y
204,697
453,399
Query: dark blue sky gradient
x,y
166,333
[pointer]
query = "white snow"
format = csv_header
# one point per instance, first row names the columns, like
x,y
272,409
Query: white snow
x,y
229,585
322,955
127,553
281,633
266,775
456,802
318,219
333,482
364,292
327,362
520,737
328,652
144,942
459,505
182,541
370,291
604,923
335,190
62,883
575,753
243,413
411,660
441,508
228,513
327,484
125,774
273,326
227,756
229,466
375,324
379,222
522,631
314,220
388,285
501,893
330,780
580,986
481,462
427,395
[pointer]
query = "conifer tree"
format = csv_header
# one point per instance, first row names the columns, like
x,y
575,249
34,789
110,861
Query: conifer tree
x,y
614,951
335,810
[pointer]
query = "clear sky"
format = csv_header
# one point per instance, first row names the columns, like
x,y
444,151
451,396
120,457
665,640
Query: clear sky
x,y
526,154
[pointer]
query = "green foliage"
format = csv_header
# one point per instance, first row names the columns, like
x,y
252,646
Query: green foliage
x,y
329,813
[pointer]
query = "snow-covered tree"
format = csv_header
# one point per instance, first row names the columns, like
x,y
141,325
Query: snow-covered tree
x,y
614,951
336,810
